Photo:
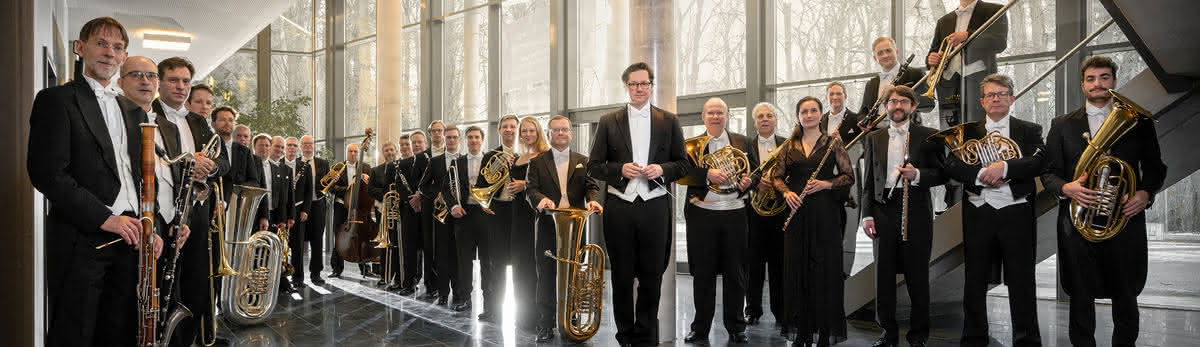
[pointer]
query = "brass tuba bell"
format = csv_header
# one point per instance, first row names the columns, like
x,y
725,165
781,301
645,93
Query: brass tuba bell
x,y
1111,177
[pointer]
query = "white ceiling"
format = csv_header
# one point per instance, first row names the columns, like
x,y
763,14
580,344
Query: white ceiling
x,y
219,27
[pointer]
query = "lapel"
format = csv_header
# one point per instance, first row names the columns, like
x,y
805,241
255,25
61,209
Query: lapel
x,y
574,162
548,163
133,135
881,151
622,120
89,109
977,17
1077,124
168,133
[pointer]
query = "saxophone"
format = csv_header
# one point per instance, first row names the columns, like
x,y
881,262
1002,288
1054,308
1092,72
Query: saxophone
x,y
1111,177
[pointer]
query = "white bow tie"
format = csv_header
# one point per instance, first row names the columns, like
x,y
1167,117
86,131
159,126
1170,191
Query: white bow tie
x,y
991,127
109,91
897,131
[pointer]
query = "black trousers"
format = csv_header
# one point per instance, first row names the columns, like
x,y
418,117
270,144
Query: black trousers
x,y
638,236
312,232
546,295
429,251
413,244
193,275
470,233
910,258
1082,329
446,244
524,257
764,262
92,296
499,228
716,245
1003,237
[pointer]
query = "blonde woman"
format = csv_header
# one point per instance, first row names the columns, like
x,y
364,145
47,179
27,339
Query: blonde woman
x,y
531,141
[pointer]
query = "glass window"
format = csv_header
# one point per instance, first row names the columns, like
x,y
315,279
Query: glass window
x,y
360,19
1097,15
452,6
319,103
293,29
319,24
526,51
252,44
1031,26
361,101
1129,64
292,82
412,11
465,67
412,76
712,45
1038,104
236,81
601,37
826,38
786,100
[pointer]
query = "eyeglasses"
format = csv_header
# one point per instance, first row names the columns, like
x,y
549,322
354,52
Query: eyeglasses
x,y
635,85
119,47
899,102
559,130
997,95
149,75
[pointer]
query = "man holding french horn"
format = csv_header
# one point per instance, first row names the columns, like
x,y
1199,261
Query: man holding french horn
x,y
1098,257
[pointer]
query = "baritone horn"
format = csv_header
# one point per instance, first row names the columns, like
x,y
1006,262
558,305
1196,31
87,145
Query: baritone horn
x,y
1112,178
580,275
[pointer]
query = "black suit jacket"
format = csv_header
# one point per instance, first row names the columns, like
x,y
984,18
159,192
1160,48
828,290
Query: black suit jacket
x,y
201,134
308,183
909,78
72,161
848,129
753,144
170,147
244,169
924,154
1081,261
432,183
387,174
282,202
986,46
1021,172
611,148
700,174
544,182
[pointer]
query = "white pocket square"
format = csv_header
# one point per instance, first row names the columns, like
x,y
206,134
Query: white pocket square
x,y
578,166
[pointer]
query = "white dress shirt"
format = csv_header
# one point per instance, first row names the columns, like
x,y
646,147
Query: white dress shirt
x,y
718,201
1096,116
179,118
835,121
1002,196
229,149
166,185
885,78
114,121
898,141
312,167
267,178
562,159
473,162
436,151
766,145
639,139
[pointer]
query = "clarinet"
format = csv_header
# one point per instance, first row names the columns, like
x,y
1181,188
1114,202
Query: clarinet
x,y
812,177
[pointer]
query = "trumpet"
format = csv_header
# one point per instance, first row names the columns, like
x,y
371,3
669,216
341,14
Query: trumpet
x,y
935,75
330,178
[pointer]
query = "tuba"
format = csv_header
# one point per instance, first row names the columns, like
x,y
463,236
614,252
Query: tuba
x,y
1111,177
993,147
495,173
580,275
250,295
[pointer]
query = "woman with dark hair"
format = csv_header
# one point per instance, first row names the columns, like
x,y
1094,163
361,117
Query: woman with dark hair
x,y
812,261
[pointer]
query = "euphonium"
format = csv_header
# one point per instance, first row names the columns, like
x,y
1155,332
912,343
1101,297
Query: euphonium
x,y
580,275
330,178
935,76
993,147
1111,177
495,173
250,296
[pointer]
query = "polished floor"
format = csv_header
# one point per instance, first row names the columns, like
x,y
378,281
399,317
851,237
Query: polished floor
x,y
352,312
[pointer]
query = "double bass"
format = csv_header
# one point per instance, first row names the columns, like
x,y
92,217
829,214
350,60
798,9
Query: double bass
x,y
354,237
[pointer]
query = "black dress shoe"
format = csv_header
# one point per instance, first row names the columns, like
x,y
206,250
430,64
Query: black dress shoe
x,y
883,342
429,296
739,337
317,280
486,317
753,320
462,306
693,337
544,334
441,301
337,274
917,344
406,291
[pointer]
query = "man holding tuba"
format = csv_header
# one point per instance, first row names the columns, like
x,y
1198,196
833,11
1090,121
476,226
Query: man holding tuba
x,y
1111,266
557,179
998,217
717,180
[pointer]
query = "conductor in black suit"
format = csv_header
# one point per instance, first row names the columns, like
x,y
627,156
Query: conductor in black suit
x,y
638,152
999,225
974,62
551,173
1114,268
896,156
84,156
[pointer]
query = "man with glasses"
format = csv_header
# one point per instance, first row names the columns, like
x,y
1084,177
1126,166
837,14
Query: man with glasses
x,y
436,182
903,234
999,224
638,151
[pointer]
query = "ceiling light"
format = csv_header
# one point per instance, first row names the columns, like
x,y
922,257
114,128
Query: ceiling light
x,y
166,40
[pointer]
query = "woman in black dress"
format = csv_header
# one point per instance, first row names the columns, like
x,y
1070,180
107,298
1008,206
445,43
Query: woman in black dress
x,y
812,261
531,142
